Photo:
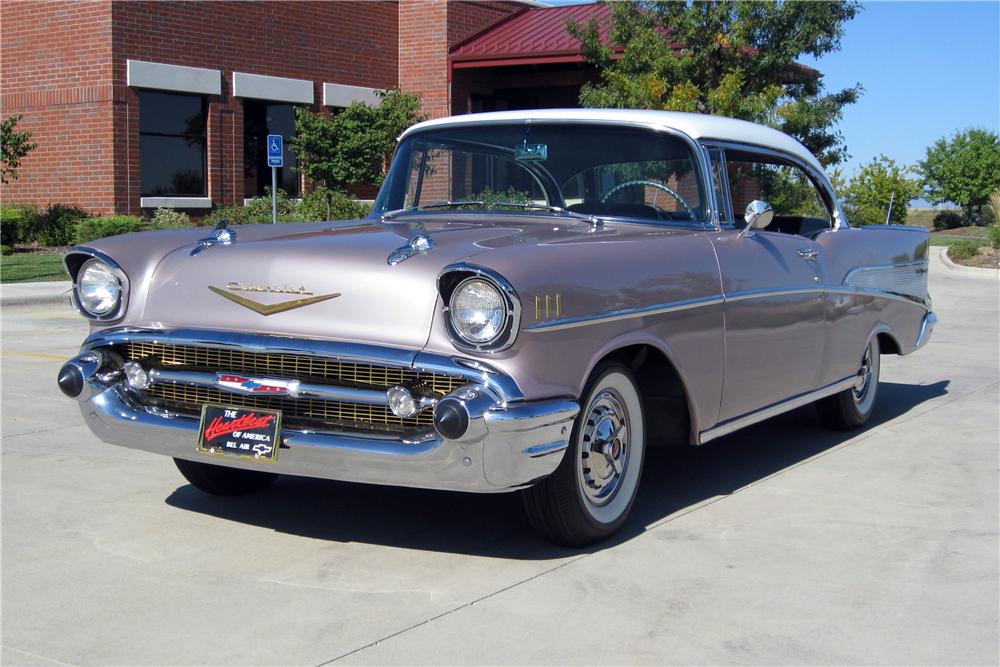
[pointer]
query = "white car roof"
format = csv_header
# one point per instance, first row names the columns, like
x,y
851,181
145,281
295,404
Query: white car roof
x,y
695,125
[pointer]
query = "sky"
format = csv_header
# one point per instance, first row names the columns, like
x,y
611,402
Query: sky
x,y
928,69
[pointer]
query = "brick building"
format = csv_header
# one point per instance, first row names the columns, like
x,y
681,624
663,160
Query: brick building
x,y
136,105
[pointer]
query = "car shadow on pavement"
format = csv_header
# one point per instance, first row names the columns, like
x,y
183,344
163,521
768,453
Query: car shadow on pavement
x,y
494,525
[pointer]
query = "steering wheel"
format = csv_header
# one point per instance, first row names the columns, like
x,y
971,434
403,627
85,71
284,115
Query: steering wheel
x,y
660,186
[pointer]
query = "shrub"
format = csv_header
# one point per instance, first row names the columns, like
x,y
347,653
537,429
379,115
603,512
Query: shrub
x,y
6,250
91,229
168,218
993,235
322,204
316,206
948,219
57,226
16,223
964,249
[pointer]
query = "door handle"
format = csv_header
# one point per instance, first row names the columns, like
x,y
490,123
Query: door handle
x,y
808,254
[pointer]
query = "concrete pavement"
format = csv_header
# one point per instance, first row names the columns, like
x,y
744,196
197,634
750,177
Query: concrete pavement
x,y
783,543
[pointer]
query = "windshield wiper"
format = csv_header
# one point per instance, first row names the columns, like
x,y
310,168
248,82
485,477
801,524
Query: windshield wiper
x,y
558,210
436,204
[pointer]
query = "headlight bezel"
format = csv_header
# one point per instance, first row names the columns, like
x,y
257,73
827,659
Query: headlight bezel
x,y
452,278
76,261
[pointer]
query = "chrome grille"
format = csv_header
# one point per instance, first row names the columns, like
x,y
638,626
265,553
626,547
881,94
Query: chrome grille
x,y
189,399
304,411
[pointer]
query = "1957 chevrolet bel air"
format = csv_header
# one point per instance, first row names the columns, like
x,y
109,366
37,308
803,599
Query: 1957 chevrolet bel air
x,y
537,297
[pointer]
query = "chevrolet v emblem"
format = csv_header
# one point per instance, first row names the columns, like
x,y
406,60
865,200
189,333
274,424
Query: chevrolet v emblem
x,y
272,308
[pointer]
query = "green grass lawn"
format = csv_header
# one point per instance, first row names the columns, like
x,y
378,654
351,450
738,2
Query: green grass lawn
x,y
921,216
32,266
952,240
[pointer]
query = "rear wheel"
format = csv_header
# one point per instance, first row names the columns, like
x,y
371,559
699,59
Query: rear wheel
x,y
591,493
851,408
222,481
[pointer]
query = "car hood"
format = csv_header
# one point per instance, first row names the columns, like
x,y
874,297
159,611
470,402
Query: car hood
x,y
327,283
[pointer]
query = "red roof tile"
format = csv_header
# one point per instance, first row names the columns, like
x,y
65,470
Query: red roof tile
x,y
534,35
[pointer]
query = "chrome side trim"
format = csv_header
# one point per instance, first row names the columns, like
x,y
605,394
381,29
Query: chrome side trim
x,y
673,306
624,314
737,423
907,279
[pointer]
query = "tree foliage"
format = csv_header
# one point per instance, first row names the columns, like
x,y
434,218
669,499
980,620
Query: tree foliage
x,y
728,58
15,146
866,198
353,146
963,170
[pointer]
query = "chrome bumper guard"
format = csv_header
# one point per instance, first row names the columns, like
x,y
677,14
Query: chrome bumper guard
x,y
926,329
507,444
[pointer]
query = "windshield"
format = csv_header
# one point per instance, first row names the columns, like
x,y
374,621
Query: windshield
x,y
602,170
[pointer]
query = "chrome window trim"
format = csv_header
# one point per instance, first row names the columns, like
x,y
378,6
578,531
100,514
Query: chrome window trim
x,y
470,369
839,220
686,304
512,325
123,282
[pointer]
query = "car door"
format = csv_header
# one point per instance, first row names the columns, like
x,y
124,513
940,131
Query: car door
x,y
775,321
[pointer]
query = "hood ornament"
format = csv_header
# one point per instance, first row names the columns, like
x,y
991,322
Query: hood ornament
x,y
418,244
266,309
222,234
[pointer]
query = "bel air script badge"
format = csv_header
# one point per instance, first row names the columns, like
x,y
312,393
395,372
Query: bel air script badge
x,y
269,308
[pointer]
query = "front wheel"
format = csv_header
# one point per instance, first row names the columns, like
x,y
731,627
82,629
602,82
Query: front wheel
x,y
851,408
222,481
591,493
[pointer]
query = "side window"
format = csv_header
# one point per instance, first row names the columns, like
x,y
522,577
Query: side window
x,y
798,205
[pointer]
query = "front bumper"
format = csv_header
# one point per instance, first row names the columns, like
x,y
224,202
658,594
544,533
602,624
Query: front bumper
x,y
507,446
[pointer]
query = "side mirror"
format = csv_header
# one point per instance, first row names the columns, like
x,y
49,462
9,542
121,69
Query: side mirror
x,y
758,216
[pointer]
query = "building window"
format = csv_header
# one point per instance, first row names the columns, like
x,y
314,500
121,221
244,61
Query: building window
x,y
259,120
172,144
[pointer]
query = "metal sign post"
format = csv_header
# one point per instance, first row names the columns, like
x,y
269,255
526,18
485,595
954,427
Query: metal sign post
x,y
275,159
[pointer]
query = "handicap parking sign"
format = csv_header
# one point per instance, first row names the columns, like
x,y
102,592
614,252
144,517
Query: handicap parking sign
x,y
275,152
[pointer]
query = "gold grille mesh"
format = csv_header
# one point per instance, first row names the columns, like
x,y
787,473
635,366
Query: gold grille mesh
x,y
293,366
337,413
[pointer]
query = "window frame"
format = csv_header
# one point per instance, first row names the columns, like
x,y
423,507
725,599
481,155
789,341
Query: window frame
x,y
816,177
204,146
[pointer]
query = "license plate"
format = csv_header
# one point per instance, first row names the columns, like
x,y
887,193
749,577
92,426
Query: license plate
x,y
244,432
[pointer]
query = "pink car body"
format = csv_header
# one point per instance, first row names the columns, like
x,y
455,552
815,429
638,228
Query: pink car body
x,y
738,323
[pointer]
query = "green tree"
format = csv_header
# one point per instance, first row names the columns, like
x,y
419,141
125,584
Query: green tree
x,y
963,170
866,198
15,146
355,145
728,58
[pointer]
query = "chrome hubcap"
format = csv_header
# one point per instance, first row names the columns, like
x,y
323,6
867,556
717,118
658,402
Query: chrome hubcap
x,y
604,453
864,376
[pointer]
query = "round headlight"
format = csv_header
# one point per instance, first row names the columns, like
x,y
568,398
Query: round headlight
x,y
97,288
478,311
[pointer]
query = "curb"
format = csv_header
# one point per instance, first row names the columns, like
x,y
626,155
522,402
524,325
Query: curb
x,y
35,294
980,271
